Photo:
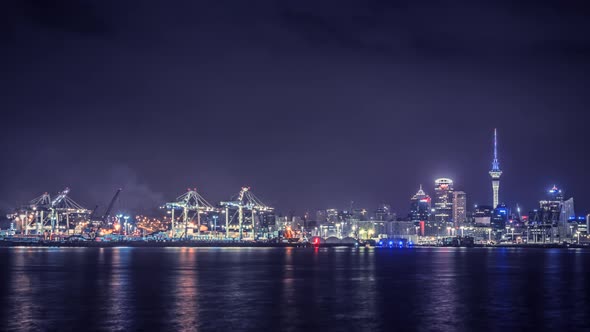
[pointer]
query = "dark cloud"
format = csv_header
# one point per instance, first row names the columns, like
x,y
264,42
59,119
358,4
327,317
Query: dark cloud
x,y
66,15
312,103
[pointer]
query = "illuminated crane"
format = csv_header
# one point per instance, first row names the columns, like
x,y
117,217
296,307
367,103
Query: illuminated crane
x,y
47,212
62,207
40,205
245,200
191,201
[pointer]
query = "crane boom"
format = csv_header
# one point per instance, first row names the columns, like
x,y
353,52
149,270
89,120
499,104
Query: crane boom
x,y
91,217
60,197
107,213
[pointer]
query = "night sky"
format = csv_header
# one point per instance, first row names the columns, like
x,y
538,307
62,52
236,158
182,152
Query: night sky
x,y
311,103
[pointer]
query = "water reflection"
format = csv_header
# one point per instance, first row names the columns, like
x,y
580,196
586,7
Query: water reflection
x,y
187,289
439,289
22,309
288,295
186,307
117,261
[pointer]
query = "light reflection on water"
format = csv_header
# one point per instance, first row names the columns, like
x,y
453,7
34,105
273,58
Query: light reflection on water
x,y
293,289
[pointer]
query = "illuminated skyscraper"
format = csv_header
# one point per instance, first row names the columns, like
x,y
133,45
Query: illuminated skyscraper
x,y
420,206
459,208
500,217
551,207
443,204
567,213
495,172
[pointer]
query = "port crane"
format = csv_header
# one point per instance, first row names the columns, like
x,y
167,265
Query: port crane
x,y
62,207
189,202
40,207
46,212
103,221
246,200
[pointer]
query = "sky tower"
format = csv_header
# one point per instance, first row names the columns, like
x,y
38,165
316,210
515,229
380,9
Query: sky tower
x,y
495,172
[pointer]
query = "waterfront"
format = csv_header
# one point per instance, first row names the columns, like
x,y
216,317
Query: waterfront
x,y
292,289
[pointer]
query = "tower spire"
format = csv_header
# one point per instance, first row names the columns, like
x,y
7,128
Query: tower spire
x,y
496,143
495,162
496,172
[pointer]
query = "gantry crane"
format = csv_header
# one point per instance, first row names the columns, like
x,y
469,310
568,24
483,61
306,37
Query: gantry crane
x,y
45,211
63,206
191,201
40,206
245,200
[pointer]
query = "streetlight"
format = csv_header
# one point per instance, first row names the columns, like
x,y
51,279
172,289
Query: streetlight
x,y
126,223
512,230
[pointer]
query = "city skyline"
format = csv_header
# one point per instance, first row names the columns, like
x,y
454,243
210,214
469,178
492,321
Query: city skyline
x,y
495,173
445,203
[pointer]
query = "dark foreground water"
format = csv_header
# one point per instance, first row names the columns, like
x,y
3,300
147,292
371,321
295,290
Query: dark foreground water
x,y
294,289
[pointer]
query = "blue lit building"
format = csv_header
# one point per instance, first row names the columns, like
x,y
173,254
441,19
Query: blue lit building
x,y
500,218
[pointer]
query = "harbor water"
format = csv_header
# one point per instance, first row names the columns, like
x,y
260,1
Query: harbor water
x,y
294,289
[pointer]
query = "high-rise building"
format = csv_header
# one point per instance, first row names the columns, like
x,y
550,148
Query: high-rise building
x,y
550,208
500,217
332,215
383,212
568,214
420,206
459,208
483,215
555,194
496,172
568,211
443,204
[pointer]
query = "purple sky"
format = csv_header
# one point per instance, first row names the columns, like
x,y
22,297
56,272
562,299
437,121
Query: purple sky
x,y
311,103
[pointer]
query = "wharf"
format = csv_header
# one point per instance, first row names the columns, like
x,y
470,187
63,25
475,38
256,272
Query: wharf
x,y
165,244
